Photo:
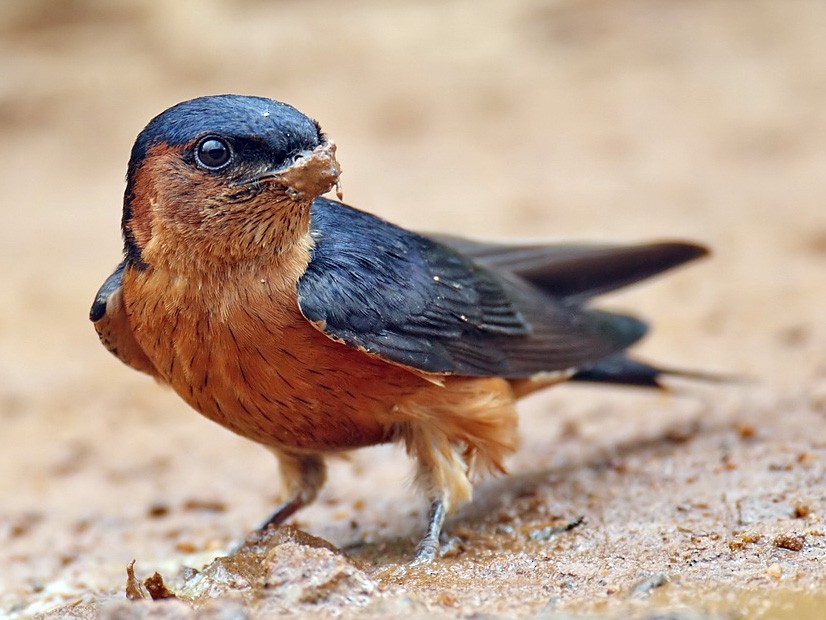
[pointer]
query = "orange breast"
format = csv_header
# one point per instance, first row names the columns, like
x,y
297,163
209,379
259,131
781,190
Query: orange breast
x,y
241,353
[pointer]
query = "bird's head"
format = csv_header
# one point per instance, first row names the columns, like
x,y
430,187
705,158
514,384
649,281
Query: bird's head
x,y
225,178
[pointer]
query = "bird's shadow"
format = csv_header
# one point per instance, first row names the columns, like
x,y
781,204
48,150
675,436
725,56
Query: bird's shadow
x,y
493,496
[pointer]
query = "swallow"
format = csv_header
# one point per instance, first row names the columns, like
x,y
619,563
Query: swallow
x,y
314,328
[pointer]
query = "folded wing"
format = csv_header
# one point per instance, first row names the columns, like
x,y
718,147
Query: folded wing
x,y
414,301
112,325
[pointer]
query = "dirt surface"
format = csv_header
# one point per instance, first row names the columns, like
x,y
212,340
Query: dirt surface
x,y
618,120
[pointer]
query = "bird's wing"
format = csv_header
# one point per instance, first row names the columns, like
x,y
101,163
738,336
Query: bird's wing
x,y
413,301
112,325
577,272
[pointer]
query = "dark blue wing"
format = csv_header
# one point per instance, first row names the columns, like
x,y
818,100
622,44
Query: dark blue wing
x,y
107,289
411,300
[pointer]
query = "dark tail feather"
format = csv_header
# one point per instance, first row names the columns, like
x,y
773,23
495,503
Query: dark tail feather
x,y
622,370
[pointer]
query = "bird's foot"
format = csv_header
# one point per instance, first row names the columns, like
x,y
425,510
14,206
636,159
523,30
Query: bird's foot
x,y
428,548
426,551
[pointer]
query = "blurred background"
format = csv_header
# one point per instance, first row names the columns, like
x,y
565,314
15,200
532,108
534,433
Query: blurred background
x,y
603,120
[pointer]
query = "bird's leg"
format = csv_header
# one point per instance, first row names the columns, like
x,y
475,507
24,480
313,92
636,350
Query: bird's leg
x,y
442,475
303,476
468,422
428,548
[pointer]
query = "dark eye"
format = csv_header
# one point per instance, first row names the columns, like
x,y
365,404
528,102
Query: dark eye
x,y
213,153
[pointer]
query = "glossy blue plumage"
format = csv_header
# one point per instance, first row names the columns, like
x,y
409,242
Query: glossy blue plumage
x,y
417,302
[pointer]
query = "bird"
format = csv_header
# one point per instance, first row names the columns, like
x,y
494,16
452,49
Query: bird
x,y
314,328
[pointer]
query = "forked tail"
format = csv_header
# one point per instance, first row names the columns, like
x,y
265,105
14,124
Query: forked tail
x,y
622,370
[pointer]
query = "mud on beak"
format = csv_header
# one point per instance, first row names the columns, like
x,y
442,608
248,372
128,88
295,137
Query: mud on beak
x,y
311,174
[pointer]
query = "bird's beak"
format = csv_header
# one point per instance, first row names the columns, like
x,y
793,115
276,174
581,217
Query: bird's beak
x,y
313,173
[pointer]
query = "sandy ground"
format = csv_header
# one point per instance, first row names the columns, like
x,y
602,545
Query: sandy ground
x,y
618,120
